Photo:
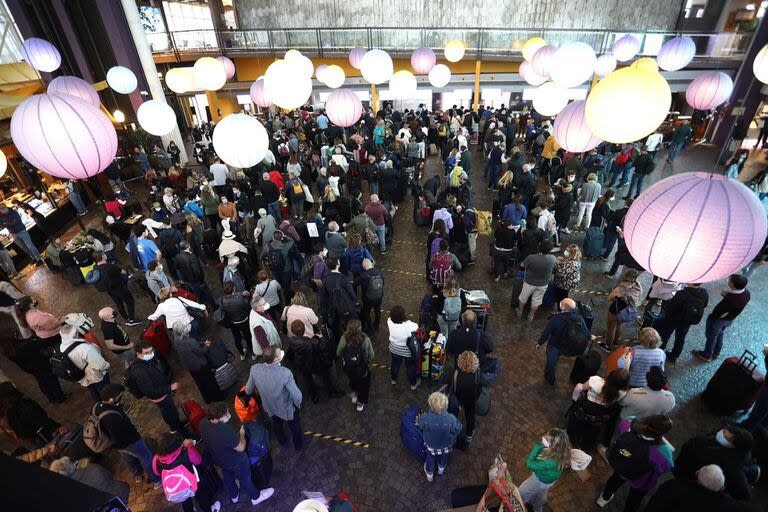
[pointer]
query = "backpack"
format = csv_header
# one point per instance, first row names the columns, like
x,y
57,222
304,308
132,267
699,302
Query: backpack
x,y
343,305
94,435
484,223
283,149
297,188
575,337
629,456
435,247
452,309
179,483
257,443
695,311
275,259
375,289
97,278
63,367
442,268
354,363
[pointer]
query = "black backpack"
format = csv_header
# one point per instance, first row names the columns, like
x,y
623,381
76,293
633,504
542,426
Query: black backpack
x,y
354,362
629,456
63,367
575,337
694,311
375,289
275,259
343,305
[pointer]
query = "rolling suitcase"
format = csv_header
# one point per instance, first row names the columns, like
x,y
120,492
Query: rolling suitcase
x,y
734,386
479,302
411,434
650,318
550,296
593,243
157,335
195,414
585,366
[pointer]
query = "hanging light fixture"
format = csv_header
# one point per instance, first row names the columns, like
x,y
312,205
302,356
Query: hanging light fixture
x,y
121,79
240,140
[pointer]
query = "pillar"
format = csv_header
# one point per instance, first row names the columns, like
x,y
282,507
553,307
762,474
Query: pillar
x,y
149,68
226,104
374,99
476,102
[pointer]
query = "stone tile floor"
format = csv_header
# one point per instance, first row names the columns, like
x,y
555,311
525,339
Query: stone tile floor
x,y
385,477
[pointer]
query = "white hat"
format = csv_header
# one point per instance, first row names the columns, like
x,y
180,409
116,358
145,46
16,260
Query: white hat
x,y
310,506
710,477
228,235
79,321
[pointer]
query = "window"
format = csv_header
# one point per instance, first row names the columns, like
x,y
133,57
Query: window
x,y
191,24
695,8
10,44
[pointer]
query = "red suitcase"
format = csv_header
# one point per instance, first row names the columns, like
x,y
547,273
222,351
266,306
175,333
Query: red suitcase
x,y
157,335
195,414
734,386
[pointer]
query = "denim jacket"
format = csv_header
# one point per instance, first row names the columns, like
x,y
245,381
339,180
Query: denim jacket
x,y
439,430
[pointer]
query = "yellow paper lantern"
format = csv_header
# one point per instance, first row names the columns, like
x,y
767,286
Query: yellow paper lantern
x,y
402,85
531,46
180,80
627,105
454,50
333,76
646,64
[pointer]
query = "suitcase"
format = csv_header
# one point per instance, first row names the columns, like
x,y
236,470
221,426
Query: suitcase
x,y
585,366
550,296
157,335
734,386
593,243
195,414
433,358
621,357
462,254
650,318
411,434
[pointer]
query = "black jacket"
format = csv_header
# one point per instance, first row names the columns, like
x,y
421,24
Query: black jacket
x,y
303,349
676,307
168,241
678,495
365,278
235,307
704,450
644,164
189,268
331,282
474,340
114,279
151,378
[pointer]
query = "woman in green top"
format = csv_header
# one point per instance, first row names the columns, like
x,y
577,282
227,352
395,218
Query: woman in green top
x,y
548,459
356,352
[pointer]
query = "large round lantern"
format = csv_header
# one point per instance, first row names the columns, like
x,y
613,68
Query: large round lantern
x,y
63,135
3,163
402,85
439,76
531,46
572,64
343,107
209,73
285,86
676,53
180,80
376,66
156,117
571,130
76,87
319,72
454,50
695,227
301,62
258,95
605,65
625,47
334,76
709,90
356,56
549,99
760,65
40,54
627,105
423,60
529,75
229,66
121,79
240,140
542,60
646,64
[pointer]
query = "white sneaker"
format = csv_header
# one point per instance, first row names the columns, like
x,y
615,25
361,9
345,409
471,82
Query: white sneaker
x,y
236,499
360,407
393,382
216,506
242,356
602,502
354,398
416,385
264,495
440,470
430,477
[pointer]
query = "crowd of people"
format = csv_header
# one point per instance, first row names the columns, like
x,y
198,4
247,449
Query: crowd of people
x,y
294,243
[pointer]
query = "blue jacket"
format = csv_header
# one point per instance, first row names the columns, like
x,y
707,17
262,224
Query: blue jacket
x,y
555,330
195,208
12,221
512,213
439,430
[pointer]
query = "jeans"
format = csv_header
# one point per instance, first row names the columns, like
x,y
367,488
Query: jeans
x,y
370,325
534,492
138,458
6,263
410,368
381,232
446,327
241,473
493,175
123,302
373,187
429,465
274,210
673,150
609,241
204,293
77,202
294,426
24,241
169,413
623,170
553,354
50,386
242,332
714,331
636,185
585,214
634,498
95,388
297,207
665,330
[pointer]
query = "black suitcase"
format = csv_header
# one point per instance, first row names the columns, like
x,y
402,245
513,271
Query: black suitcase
x,y
585,366
650,318
462,254
734,386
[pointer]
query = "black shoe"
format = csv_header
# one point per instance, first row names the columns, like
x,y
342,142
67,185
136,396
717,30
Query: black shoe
x,y
132,321
671,359
604,346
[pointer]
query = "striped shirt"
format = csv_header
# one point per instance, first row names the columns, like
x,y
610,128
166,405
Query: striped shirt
x,y
642,360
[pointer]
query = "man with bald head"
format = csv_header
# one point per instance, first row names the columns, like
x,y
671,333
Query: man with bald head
x,y
468,337
554,335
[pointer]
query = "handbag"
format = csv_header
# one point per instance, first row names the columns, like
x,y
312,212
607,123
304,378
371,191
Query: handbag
x,y
195,313
220,317
627,314
483,402
226,376
307,194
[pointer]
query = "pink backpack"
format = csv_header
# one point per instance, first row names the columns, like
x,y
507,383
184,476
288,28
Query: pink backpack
x,y
442,268
179,483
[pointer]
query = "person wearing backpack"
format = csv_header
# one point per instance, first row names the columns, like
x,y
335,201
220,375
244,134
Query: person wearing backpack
x,y
184,476
354,255
90,369
112,280
371,282
685,309
338,300
294,189
356,352
638,457
563,330
448,319
150,376
443,265
277,259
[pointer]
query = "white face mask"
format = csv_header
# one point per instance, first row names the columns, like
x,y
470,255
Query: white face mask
x,y
566,253
159,268
148,357
721,440
224,200
545,442
226,418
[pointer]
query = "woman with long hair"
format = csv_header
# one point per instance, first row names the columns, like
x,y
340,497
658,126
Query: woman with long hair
x,y
567,272
547,461
355,253
602,209
356,352
299,310
596,405
628,293
171,453
210,201
438,232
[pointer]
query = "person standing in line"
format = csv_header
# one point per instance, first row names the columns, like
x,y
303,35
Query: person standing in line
x,y
547,461
194,358
378,214
236,309
112,280
371,282
683,310
627,293
115,337
466,386
440,430
555,334
11,220
172,454
735,299
88,358
400,330
649,400
588,196
356,351
191,272
567,272
538,272
646,354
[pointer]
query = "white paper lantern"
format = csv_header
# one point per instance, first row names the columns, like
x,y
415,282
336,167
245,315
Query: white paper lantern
x,y
709,90
240,140
531,46
334,76
439,76
121,79
676,53
119,116
571,130
229,66
3,163
209,73
76,87
302,62
259,95
376,66
402,85
549,99
40,54
454,50
343,108
180,80
572,64
627,105
625,47
760,65
605,65
356,56
319,71
542,60
156,117
529,75
286,86
423,60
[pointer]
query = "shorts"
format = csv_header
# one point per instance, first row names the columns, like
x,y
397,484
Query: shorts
x,y
535,293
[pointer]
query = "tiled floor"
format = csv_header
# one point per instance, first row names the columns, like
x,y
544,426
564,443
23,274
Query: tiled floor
x,y
385,477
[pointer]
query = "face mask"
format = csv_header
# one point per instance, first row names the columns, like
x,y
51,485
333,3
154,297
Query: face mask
x,y
570,180
159,268
157,209
148,357
545,442
324,253
226,418
721,440
224,200
566,253
236,192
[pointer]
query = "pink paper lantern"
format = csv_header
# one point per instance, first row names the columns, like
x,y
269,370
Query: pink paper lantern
x,y
259,95
542,60
343,107
709,90
571,130
63,135
40,54
676,53
695,227
529,75
76,87
356,56
229,66
423,60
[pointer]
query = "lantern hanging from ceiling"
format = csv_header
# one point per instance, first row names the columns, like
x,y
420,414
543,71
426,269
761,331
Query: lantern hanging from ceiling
x,y
626,47
319,72
423,60
709,90
285,85
343,107
334,76
531,46
376,66
63,135
571,130
676,53
605,65
529,75
209,73
240,140
542,60
40,54
121,79
695,227
3,163
301,62
454,50
156,117
549,99
439,76
229,66
76,87
180,80
760,65
356,56
572,64
646,64
402,85
258,95
627,105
